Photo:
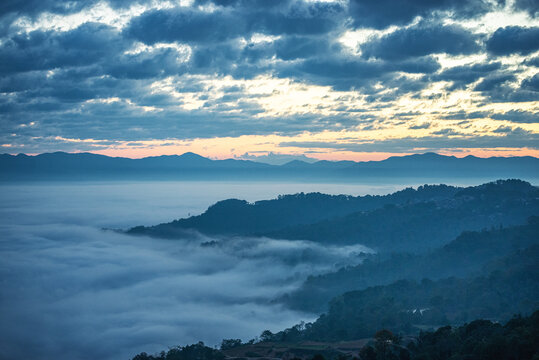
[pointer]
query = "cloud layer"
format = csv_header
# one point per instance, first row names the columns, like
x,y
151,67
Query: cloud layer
x,y
98,75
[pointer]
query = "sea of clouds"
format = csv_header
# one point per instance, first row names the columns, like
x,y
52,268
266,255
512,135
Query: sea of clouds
x,y
71,290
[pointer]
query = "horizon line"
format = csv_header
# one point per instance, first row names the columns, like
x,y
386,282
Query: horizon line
x,y
253,159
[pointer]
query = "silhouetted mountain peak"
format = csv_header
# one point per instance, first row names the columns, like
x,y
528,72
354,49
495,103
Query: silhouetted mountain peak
x,y
428,156
431,155
65,155
510,187
229,205
192,156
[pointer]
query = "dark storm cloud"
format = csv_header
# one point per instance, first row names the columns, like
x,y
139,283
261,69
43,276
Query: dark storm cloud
x,y
342,68
517,116
514,40
465,115
508,94
36,7
502,87
531,83
503,129
495,81
198,26
98,120
534,61
21,81
214,35
294,47
146,65
447,132
265,4
531,6
185,25
516,138
298,19
461,76
352,72
492,82
380,14
77,84
341,75
39,50
220,59
33,7
90,81
420,40
422,65
12,10
420,126
394,87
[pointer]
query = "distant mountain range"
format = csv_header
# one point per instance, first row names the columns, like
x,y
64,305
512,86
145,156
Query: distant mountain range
x,y
190,166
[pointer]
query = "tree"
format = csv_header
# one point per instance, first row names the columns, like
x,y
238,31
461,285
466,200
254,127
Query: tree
x,y
266,335
230,343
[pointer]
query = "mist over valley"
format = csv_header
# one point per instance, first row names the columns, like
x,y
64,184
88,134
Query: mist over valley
x,y
83,279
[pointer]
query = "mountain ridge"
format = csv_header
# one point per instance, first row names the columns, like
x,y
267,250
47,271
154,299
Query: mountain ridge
x,y
86,165
411,220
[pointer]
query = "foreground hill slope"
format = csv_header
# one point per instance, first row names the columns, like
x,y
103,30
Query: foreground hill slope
x,y
518,339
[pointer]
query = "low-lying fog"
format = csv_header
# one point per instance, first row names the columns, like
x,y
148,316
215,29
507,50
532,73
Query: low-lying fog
x,y
73,291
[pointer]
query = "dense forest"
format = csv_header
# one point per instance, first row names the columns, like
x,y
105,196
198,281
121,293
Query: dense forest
x,y
409,220
423,225
518,339
464,256
508,286
238,217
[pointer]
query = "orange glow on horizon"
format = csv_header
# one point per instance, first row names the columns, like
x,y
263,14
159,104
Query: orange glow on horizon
x,y
330,156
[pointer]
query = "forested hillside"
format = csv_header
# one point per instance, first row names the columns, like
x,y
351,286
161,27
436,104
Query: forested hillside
x,y
518,339
238,217
409,220
464,256
419,296
506,287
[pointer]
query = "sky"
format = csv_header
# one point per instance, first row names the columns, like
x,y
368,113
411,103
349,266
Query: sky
x,y
270,79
